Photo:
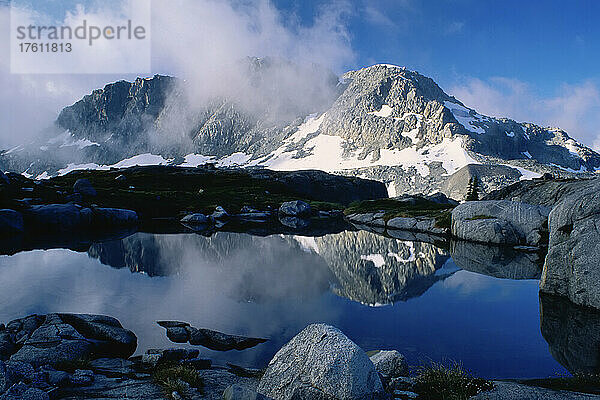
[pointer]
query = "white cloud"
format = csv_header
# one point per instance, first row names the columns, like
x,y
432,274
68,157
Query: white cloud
x,y
454,27
574,108
200,41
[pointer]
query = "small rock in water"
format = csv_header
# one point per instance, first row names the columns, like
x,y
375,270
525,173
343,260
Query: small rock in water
x,y
211,339
222,342
178,334
245,372
219,214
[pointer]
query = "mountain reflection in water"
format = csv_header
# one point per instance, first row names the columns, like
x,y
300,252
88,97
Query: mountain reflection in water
x,y
274,286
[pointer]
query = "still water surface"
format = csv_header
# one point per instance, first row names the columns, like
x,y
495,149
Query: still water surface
x,y
382,292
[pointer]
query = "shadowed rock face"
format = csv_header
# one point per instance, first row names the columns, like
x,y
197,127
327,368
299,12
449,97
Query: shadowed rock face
x,y
495,261
572,333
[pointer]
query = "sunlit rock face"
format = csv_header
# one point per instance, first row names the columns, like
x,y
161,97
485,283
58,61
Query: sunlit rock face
x,y
375,270
572,333
382,122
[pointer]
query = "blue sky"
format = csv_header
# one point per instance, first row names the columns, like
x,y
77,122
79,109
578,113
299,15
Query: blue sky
x,y
528,60
543,43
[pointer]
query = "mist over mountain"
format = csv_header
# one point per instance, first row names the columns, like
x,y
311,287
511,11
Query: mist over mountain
x,y
383,122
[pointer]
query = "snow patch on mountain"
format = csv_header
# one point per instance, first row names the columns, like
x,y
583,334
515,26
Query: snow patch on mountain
x,y
139,160
466,117
330,154
384,112
307,243
376,259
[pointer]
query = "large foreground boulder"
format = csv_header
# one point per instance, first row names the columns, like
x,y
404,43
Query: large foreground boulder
x,y
41,340
321,363
500,222
571,268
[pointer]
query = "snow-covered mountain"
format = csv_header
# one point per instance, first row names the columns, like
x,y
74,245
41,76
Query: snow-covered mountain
x,y
383,122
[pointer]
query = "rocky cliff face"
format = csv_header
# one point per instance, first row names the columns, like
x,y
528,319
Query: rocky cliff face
x,y
382,122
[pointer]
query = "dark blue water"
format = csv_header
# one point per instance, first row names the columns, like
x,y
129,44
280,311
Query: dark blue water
x,y
423,304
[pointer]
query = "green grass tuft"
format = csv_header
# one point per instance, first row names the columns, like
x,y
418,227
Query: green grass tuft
x,y
174,377
448,382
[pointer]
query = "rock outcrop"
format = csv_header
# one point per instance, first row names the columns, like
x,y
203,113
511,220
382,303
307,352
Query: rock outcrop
x,y
54,338
321,363
296,208
489,177
571,267
182,332
500,222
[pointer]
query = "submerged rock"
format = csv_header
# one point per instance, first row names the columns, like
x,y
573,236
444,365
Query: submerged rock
x,y
500,222
321,363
